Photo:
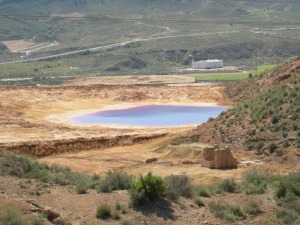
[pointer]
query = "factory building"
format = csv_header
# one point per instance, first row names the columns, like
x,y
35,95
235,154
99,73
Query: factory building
x,y
207,64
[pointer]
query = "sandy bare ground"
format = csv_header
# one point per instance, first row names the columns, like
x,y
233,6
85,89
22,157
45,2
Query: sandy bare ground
x,y
170,160
24,111
23,121
130,80
17,45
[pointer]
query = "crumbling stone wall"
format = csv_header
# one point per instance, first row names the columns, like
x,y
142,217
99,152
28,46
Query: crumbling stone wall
x,y
216,158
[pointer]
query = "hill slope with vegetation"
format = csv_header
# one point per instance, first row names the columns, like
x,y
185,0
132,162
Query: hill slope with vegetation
x,y
184,26
266,115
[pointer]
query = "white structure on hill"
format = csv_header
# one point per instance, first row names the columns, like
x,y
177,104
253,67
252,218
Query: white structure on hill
x,y
207,64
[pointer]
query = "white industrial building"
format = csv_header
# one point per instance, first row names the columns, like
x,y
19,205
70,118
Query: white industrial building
x,y
207,64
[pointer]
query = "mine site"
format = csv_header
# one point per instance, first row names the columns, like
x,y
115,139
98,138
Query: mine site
x,y
40,126
131,112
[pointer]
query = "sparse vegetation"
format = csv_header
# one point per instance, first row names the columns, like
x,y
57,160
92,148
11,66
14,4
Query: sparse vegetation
x,y
115,180
228,185
199,202
226,211
103,212
31,169
177,186
12,216
254,181
252,208
202,191
147,188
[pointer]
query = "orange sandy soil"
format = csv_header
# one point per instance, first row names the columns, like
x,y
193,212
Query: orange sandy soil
x,y
18,45
130,80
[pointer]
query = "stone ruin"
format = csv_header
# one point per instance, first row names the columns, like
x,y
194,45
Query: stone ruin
x,y
216,158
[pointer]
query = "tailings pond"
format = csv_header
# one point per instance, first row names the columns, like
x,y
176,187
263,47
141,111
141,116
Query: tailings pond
x,y
150,116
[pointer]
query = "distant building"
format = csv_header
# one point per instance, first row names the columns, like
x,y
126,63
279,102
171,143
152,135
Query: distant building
x,y
207,64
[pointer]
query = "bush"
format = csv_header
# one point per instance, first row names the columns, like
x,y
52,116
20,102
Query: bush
x,y
252,208
12,216
115,180
252,189
199,202
288,216
103,212
226,211
228,185
178,185
255,181
81,187
118,206
272,147
202,191
147,188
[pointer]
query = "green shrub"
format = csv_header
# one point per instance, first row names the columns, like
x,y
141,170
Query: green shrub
x,y
12,216
115,180
226,211
252,208
147,188
228,185
118,206
272,147
81,187
199,202
288,216
202,191
104,187
178,185
254,181
103,212
251,189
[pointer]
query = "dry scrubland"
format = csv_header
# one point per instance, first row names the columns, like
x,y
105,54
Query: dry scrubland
x,y
260,196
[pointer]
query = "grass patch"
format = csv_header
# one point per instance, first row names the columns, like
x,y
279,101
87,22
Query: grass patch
x,y
202,191
252,208
228,185
12,216
255,181
103,212
31,169
231,76
226,211
199,202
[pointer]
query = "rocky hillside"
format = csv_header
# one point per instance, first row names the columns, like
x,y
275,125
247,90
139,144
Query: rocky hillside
x,y
266,115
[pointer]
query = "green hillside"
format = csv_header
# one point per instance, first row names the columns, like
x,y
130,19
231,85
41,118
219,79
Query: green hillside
x,y
181,27
266,115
